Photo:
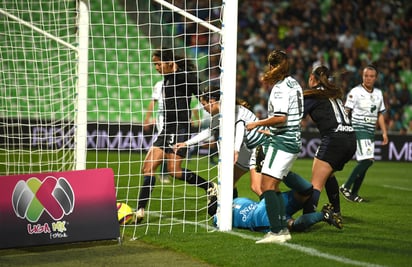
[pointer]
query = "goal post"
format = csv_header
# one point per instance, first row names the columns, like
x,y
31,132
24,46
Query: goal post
x,y
228,87
228,34
82,85
76,83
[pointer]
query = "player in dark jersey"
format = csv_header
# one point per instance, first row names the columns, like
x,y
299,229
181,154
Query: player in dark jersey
x,y
323,103
180,83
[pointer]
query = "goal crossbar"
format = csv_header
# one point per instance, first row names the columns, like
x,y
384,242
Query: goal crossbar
x,y
190,16
33,27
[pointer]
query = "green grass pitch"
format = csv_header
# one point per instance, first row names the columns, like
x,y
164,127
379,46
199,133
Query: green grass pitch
x,y
376,233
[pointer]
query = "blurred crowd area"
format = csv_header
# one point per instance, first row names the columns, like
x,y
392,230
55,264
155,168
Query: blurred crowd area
x,y
343,35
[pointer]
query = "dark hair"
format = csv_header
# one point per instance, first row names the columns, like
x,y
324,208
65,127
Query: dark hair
x,y
210,92
168,55
372,67
278,60
325,88
213,92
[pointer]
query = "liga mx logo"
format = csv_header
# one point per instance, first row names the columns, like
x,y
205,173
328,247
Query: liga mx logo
x,y
32,197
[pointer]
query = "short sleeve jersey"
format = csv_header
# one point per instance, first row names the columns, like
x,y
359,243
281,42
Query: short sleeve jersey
x,y
328,114
250,138
365,108
178,89
286,99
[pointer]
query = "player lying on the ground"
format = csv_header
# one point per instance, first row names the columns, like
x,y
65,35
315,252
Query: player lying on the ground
x,y
249,214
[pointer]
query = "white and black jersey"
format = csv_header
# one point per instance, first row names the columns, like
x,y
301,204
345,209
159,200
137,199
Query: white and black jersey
x,y
338,140
328,114
251,138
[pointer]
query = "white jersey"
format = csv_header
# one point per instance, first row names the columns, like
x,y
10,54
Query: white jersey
x,y
251,138
365,108
243,116
206,133
157,95
286,99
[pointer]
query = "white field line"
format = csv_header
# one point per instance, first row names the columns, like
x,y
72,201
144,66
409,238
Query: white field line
x,y
397,187
306,250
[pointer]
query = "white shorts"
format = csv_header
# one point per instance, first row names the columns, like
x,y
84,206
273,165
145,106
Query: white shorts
x,y
365,149
278,163
246,158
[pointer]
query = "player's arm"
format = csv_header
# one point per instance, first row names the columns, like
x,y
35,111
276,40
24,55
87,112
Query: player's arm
x,y
270,121
202,136
382,126
239,135
149,114
149,111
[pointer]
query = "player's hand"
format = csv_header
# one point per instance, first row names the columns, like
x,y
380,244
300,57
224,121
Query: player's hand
x,y
385,139
265,132
178,146
148,127
251,126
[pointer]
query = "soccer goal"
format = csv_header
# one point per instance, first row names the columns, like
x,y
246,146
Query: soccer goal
x,y
43,86
77,81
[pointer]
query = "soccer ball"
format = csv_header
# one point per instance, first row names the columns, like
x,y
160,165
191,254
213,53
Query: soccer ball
x,y
124,213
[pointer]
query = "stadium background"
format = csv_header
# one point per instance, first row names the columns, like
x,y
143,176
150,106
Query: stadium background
x,y
341,34
374,227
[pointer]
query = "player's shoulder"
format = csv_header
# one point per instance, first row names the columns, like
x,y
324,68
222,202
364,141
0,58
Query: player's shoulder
x,y
377,91
242,110
356,91
291,82
357,88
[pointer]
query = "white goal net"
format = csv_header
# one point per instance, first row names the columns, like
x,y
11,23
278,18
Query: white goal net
x,y
38,86
41,82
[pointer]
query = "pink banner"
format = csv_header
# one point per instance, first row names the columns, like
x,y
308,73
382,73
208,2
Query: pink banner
x,y
57,207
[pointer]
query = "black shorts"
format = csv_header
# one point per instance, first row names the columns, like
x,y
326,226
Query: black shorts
x,y
166,141
337,149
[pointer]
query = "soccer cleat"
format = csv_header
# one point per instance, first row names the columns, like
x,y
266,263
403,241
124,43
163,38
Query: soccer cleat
x,y
339,216
164,179
212,193
351,197
356,198
260,158
346,193
331,217
280,237
139,216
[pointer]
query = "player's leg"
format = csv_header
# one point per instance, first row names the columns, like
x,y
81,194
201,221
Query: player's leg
x,y
321,170
255,172
364,157
297,183
274,209
364,165
332,190
238,172
277,164
303,222
153,159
